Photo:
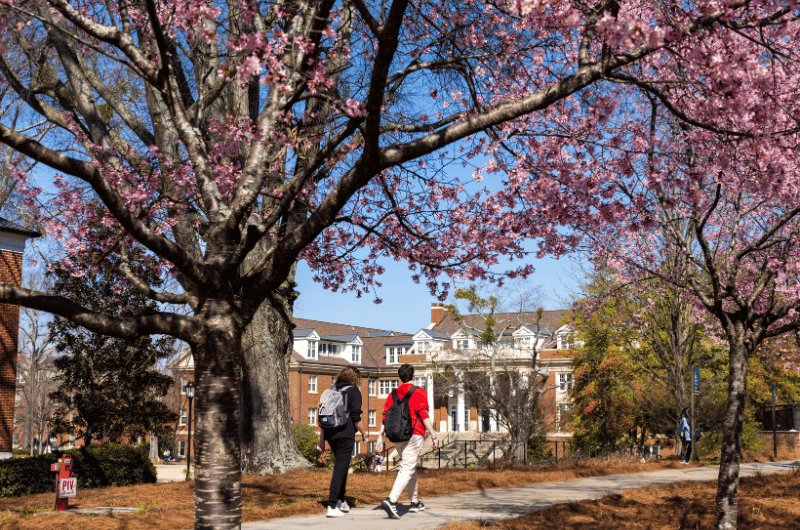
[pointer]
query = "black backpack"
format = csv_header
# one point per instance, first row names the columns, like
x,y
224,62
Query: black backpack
x,y
397,423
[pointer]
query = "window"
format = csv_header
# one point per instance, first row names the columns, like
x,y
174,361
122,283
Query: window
x,y
333,380
462,344
371,446
312,349
312,416
371,386
386,387
356,355
182,418
421,382
356,449
18,399
392,355
565,382
330,350
183,385
466,419
312,384
182,448
371,415
564,340
563,414
72,440
422,347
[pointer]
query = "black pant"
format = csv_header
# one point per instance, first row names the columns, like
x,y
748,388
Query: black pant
x,y
688,445
342,449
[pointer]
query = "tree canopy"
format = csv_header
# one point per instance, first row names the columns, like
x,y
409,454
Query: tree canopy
x,y
227,141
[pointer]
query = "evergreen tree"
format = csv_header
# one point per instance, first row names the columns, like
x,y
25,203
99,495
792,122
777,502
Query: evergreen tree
x,y
109,388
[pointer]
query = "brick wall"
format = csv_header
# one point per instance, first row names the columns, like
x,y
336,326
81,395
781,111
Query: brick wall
x,y
10,273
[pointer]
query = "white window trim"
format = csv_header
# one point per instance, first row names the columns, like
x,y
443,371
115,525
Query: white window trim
x,y
315,386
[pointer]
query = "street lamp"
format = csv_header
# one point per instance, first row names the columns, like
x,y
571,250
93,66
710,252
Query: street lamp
x,y
189,395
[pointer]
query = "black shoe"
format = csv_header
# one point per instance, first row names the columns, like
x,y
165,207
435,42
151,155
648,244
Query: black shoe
x,y
390,508
416,507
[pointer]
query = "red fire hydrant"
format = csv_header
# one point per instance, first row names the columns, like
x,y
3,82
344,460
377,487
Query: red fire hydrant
x,y
65,482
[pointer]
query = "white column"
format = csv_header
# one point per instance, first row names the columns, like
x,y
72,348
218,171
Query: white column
x,y
430,398
460,413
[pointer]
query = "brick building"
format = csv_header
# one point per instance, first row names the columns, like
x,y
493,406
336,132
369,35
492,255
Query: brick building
x,y
322,349
12,247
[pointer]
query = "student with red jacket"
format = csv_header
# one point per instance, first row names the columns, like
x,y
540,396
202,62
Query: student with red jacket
x,y
408,451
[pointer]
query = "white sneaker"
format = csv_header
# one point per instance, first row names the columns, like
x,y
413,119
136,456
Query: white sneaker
x,y
334,512
343,506
683,462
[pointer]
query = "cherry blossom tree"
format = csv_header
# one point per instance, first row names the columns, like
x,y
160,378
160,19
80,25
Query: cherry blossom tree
x,y
695,163
221,143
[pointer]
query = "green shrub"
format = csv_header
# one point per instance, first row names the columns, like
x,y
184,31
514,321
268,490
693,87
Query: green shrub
x,y
306,439
96,466
711,442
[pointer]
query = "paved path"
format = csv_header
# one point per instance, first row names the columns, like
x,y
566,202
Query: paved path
x,y
171,472
504,502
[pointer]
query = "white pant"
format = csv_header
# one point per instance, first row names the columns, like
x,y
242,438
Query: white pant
x,y
407,476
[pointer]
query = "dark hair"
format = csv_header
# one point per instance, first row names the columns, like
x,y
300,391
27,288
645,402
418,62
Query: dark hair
x,y
351,374
685,412
406,372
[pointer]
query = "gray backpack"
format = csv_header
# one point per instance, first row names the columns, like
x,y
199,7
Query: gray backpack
x,y
332,411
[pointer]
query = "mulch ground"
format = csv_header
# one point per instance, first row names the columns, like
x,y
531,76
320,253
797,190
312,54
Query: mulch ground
x,y
170,505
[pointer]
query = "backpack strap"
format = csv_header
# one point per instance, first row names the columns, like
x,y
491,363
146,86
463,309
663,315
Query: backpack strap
x,y
342,390
407,399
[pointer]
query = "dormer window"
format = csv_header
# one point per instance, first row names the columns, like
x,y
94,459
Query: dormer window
x,y
356,354
462,344
312,349
393,355
329,350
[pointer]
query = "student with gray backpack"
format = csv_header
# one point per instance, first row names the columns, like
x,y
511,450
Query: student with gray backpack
x,y
405,421
339,416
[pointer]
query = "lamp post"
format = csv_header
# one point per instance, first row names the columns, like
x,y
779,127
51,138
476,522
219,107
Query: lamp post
x,y
189,396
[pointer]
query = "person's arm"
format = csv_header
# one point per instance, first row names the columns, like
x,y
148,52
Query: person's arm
x,y
360,427
429,427
379,445
321,444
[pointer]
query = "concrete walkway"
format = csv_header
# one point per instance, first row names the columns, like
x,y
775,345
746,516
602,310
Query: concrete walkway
x,y
503,503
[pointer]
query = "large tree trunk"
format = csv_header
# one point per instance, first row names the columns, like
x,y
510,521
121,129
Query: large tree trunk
x,y
728,481
153,447
266,418
218,357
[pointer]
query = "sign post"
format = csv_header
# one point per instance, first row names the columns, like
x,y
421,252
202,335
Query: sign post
x,y
774,425
66,484
695,392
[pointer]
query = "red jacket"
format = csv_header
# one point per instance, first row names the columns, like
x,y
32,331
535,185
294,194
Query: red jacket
x,y
418,405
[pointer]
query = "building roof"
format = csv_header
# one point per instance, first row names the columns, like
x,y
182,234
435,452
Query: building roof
x,y
436,334
350,337
400,343
8,226
302,332
549,320
373,351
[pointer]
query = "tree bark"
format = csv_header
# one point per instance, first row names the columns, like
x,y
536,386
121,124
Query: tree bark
x,y
153,447
266,417
728,481
218,357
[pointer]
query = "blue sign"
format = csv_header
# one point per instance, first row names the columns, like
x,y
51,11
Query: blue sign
x,y
696,380
774,394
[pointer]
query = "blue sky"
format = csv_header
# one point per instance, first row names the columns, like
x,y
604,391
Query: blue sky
x,y
406,306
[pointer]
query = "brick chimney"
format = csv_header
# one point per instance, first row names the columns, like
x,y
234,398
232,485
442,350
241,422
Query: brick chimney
x,y
438,312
